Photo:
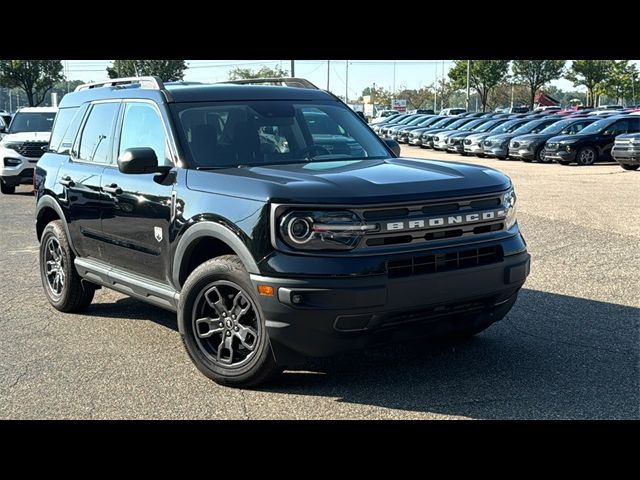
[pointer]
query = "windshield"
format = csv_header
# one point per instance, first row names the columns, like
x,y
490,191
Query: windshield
x,y
489,125
416,121
530,127
557,127
472,125
397,118
458,123
428,121
224,135
507,127
597,127
444,122
32,122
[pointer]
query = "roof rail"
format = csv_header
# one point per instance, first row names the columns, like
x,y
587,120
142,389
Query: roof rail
x,y
287,81
152,82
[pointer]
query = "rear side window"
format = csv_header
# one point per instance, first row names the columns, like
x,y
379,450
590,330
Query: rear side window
x,y
96,137
61,125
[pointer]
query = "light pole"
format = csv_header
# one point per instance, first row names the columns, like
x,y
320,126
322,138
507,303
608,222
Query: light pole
x,y
328,63
346,82
293,68
512,97
468,82
394,80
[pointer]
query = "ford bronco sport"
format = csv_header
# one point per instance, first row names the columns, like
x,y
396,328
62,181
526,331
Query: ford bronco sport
x,y
270,241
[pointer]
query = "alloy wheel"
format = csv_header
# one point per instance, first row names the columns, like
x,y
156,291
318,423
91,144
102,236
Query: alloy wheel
x,y
54,266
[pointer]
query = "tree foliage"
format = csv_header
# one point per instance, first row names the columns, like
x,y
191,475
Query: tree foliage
x,y
589,73
537,73
621,80
167,70
380,96
34,77
484,76
239,73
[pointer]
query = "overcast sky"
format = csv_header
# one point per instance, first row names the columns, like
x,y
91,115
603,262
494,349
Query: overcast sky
x,y
362,73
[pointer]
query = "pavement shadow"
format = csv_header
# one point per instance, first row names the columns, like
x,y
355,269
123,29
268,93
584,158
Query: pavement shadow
x,y
131,309
553,356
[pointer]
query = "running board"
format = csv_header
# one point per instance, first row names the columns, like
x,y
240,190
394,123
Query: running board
x,y
139,287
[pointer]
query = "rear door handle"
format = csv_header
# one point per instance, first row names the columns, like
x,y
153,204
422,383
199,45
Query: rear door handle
x,y
113,188
66,181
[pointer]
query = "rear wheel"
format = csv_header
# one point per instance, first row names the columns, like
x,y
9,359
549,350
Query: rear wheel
x,y
7,189
586,156
540,156
222,325
626,166
64,288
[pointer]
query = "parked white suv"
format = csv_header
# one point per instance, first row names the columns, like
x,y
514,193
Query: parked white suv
x,y
21,146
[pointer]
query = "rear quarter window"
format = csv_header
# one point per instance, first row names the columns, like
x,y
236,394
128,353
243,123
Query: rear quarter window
x,y
65,129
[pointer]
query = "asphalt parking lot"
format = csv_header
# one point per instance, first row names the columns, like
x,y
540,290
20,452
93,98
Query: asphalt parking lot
x,y
570,348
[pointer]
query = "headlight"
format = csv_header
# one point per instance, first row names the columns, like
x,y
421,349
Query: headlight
x,y
525,143
323,230
11,145
509,203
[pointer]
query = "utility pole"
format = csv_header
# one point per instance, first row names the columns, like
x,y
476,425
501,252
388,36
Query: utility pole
x,y
10,105
468,82
442,92
346,82
293,68
394,80
328,63
435,91
512,96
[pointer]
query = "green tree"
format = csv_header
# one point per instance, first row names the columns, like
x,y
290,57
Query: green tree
x,y
239,73
167,70
590,73
416,98
537,73
621,80
34,77
484,76
379,96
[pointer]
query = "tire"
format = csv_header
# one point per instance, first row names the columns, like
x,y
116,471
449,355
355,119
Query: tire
x,y
586,156
213,293
540,156
7,189
626,166
563,162
526,160
69,293
480,155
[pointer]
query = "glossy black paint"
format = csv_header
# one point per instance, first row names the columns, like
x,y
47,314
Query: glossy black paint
x,y
137,221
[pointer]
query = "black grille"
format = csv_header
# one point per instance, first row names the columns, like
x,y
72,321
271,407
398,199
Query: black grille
x,y
440,262
32,149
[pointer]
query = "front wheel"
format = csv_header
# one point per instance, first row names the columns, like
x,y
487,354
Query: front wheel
x,y
223,327
586,156
540,156
626,166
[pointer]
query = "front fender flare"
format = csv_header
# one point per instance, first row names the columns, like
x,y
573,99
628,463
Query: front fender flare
x,y
219,232
46,201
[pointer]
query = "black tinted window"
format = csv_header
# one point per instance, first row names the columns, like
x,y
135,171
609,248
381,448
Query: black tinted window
x,y
32,122
63,119
621,126
95,140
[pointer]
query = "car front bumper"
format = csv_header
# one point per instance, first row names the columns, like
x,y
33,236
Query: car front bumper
x,y
474,149
522,153
496,151
338,314
628,156
560,155
16,174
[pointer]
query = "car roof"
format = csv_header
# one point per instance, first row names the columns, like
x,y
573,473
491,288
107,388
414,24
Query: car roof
x,y
179,93
38,110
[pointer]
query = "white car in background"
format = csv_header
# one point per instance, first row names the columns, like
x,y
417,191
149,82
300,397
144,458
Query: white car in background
x,y
22,145
384,115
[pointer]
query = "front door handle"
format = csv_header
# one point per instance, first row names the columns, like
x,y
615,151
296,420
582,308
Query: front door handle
x,y
113,188
66,181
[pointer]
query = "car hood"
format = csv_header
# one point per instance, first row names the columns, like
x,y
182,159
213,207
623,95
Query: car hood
x,y
435,130
460,134
501,137
568,138
533,137
351,181
27,137
479,136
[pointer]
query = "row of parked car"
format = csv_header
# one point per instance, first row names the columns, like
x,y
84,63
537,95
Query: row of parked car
x,y
564,136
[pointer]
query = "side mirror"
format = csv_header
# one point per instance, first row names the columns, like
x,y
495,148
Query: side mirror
x,y
139,160
393,145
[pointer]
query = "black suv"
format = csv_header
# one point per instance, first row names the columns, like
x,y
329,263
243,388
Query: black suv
x,y
220,203
591,144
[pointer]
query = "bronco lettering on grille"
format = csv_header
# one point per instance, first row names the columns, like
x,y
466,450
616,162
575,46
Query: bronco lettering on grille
x,y
436,222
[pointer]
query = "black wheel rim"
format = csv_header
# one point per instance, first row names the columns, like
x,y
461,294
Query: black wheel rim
x,y
226,325
54,267
587,157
